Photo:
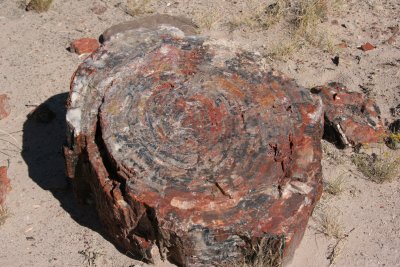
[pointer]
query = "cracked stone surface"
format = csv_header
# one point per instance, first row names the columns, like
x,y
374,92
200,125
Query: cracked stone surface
x,y
354,118
193,147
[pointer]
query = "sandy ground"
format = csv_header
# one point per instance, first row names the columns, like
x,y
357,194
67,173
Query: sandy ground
x,y
46,226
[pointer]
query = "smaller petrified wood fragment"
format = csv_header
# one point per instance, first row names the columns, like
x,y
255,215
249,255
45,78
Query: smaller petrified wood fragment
x,y
4,185
350,118
4,106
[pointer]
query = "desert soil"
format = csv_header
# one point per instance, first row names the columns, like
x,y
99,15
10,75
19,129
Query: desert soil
x,y
46,227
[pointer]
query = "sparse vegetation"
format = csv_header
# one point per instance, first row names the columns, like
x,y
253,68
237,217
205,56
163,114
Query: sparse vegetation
x,y
39,5
275,12
209,20
259,15
393,140
300,20
284,49
268,253
334,250
4,214
137,7
335,186
308,14
329,223
377,168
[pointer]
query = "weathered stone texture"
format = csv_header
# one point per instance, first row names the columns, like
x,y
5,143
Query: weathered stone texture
x,y
193,147
84,46
197,148
354,118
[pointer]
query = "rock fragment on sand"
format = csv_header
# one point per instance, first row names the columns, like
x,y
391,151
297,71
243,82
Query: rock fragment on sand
x,y
367,47
350,117
4,106
4,185
84,46
98,9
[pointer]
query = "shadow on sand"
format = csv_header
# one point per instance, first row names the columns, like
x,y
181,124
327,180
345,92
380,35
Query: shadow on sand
x,y
43,137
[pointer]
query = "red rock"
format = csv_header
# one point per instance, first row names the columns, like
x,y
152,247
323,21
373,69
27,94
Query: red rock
x,y
367,47
194,148
351,116
343,45
84,46
4,106
4,185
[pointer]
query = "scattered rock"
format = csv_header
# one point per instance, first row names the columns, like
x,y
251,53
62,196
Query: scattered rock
x,y
395,111
343,45
367,47
350,118
393,141
193,147
98,9
84,46
394,29
39,5
395,32
392,40
42,114
4,185
4,106
394,127
335,60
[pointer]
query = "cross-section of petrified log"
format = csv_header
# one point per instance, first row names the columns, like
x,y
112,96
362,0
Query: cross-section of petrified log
x,y
193,147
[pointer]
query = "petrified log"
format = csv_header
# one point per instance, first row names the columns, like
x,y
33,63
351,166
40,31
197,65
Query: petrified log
x,y
193,147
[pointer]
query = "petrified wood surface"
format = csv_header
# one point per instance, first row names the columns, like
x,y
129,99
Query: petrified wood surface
x,y
353,118
193,147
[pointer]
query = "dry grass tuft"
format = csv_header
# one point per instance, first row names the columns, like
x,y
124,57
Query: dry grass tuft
x,y
39,5
308,14
379,169
4,214
251,17
209,20
137,7
275,12
336,186
393,141
334,250
329,223
268,253
257,15
284,49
